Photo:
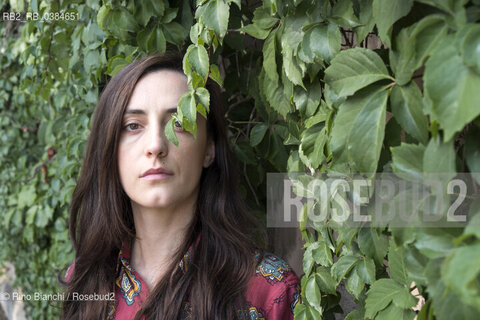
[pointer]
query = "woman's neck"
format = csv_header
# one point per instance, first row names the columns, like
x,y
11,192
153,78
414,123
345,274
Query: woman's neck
x,y
159,236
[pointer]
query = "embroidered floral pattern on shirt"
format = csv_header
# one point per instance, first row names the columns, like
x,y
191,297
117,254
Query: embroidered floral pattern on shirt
x,y
111,311
255,314
272,267
296,298
129,285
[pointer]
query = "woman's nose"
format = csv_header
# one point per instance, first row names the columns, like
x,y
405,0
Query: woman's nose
x,y
157,143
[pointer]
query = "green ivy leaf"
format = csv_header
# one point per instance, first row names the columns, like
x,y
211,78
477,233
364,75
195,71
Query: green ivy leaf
x,y
198,58
257,134
102,13
170,131
311,147
27,196
373,244
383,292
365,18
354,69
174,33
202,97
263,19
307,101
407,107
187,109
396,262
321,253
366,270
255,31
460,272
386,13
269,58
292,68
343,266
469,43
343,15
368,130
439,157
414,44
408,161
312,292
215,16
325,280
215,74
451,89
393,312
472,152
320,43
354,283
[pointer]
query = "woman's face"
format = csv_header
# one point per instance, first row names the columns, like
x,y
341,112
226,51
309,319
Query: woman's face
x,y
154,172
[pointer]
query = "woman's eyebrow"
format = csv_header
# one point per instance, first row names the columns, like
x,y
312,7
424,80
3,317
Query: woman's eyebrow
x,y
134,111
142,112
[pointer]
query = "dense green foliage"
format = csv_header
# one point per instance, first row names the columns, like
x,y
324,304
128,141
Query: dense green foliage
x,y
304,93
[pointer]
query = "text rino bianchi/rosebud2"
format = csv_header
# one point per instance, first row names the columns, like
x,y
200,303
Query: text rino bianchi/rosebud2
x,y
39,296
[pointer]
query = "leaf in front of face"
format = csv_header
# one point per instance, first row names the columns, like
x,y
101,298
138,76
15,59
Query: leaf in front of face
x,y
170,131
187,108
451,89
202,96
354,69
386,13
407,107
368,131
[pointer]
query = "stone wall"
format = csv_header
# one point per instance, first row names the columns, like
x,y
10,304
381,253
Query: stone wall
x,y
9,309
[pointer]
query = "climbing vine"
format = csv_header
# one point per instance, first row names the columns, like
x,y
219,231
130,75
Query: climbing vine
x,y
312,87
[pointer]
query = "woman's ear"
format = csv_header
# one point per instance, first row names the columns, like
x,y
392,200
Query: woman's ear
x,y
209,154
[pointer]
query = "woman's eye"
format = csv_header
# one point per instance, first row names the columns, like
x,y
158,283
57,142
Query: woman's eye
x,y
177,125
132,127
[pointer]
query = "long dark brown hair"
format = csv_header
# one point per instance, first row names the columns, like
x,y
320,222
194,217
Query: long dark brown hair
x,y
101,219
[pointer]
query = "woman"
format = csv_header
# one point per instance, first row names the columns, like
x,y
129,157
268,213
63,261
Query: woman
x,y
163,227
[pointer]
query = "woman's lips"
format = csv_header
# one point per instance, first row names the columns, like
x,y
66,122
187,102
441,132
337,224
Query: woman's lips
x,y
156,174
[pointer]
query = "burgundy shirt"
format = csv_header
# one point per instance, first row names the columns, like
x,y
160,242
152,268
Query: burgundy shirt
x,y
271,294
